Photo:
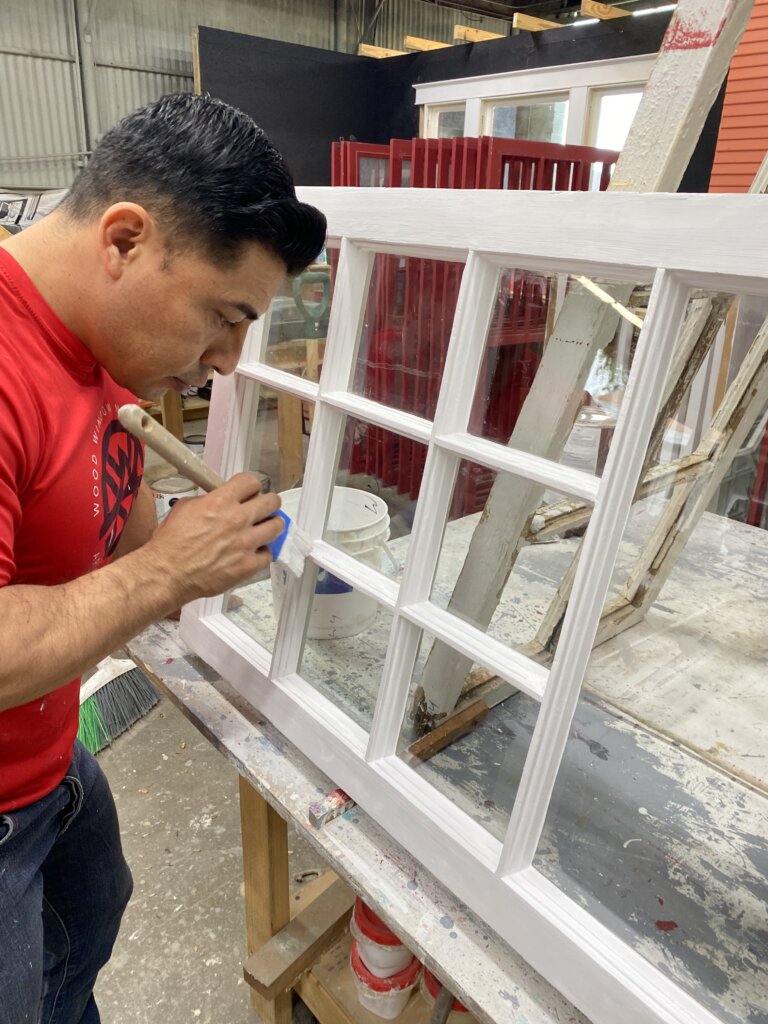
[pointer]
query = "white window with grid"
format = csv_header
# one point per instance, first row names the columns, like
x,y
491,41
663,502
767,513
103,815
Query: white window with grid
x,y
672,244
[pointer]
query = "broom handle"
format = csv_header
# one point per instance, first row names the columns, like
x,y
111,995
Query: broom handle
x,y
139,423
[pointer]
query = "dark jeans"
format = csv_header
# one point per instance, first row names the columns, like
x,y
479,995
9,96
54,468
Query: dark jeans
x,y
64,885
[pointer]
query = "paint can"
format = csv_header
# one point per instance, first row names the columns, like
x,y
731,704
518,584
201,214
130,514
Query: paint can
x,y
380,949
384,997
358,524
195,443
167,491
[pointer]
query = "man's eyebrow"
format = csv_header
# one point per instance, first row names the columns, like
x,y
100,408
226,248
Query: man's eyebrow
x,y
248,311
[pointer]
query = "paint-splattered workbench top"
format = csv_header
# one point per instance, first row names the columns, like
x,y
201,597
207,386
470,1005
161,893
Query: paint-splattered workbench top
x,y
486,974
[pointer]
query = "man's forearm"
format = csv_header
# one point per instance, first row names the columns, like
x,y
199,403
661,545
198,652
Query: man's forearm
x,y
51,635
205,546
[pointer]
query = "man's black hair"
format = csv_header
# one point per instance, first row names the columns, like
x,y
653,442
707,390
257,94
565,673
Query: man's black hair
x,y
210,176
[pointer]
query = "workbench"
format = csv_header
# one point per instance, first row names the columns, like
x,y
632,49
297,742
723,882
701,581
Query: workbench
x,y
649,810
277,785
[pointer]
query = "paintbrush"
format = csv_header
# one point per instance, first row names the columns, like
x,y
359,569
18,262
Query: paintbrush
x,y
290,549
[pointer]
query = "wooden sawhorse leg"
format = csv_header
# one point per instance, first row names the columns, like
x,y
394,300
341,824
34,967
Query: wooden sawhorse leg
x,y
265,870
172,415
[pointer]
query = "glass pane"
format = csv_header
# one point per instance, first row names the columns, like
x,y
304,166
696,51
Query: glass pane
x,y
407,324
513,599
377,485
743,494
345,646
612,113
525,314
537,122
373,171
299,319
686,436
450,124
277,451
658,820
478,762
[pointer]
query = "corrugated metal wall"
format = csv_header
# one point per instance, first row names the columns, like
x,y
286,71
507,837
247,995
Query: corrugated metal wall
x,y
42,136
743,137
400,18
143,48
60,88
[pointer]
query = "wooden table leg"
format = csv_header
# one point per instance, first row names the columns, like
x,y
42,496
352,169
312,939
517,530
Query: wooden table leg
x,y
290,439
170,408
265,869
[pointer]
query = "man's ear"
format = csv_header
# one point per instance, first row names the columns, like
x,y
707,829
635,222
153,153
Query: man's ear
x,y
125,231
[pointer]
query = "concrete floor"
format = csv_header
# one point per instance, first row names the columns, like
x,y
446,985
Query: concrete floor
x,y
179,954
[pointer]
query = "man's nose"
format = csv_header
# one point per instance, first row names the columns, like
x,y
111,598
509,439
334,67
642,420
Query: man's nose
x,y
225,354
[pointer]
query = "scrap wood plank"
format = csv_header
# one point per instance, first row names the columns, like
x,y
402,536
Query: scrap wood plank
x,y
453,728
528,23
569,514
367,50
196,76
324,1005
593,9
417,43
467,34
685,80
277,965
309,891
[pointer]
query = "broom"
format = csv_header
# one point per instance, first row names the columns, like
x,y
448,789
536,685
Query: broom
x,y
112,698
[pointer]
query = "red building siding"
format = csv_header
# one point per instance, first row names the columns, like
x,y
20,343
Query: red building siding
x,y
743,137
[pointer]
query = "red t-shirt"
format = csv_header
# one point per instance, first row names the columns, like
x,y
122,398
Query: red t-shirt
x,y
69,474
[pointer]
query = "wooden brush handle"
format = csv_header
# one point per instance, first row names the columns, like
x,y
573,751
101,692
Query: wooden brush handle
x,y
139,423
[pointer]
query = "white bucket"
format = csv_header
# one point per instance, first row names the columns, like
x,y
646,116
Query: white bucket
x,y
167,492
382,953
195,443
358,524
384,997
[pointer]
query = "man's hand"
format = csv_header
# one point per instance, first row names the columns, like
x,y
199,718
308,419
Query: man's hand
x,y
209,544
